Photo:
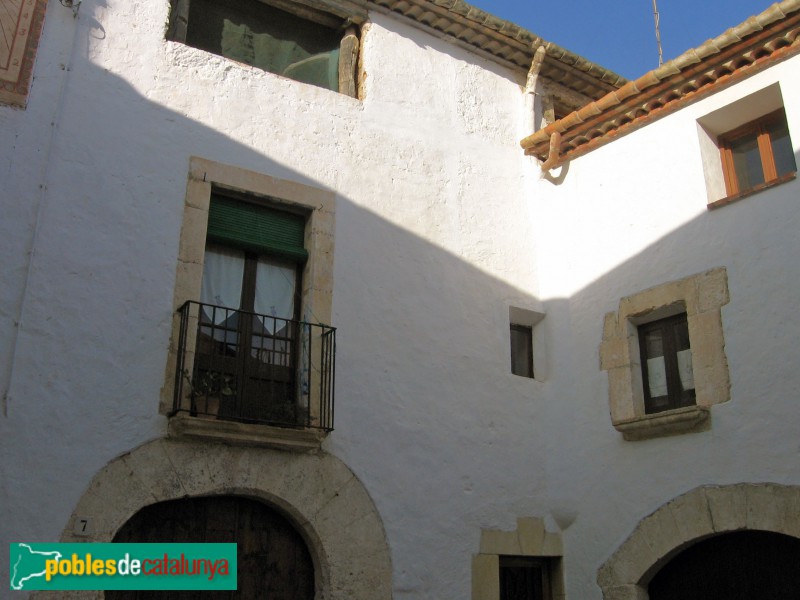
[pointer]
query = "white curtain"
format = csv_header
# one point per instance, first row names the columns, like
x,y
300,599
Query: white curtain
x,y
275,287
223,271
657,377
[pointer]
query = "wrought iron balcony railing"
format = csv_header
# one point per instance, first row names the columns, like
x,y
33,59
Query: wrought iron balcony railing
x,y
241,366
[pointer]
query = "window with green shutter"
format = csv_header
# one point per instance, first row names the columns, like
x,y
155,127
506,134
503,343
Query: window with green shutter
x,y
256,228
246,350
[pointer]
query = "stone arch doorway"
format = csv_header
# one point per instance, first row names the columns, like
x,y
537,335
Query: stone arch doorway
x,y
689,519
732,566
318,493
273,559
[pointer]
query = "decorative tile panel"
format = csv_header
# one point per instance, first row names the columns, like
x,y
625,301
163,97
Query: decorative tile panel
x,y
20,27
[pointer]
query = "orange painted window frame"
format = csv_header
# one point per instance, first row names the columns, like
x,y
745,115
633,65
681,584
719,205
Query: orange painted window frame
x,y
758,129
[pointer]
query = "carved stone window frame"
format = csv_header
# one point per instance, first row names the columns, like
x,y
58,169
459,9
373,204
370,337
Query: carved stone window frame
x,y
701,297
530,540
316,293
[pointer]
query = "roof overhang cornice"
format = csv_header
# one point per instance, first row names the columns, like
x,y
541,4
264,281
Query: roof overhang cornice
x,y
759,42
506,42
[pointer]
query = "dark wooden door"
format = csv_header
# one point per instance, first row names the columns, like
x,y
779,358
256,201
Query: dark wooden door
x,y
273,560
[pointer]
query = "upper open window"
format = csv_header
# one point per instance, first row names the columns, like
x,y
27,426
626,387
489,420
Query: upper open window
x,y
757,153
746,146
288,39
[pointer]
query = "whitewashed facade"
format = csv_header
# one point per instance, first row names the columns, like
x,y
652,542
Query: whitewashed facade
x,y
440,224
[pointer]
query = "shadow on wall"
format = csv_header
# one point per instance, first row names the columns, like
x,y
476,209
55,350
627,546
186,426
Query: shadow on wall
x,y
422,349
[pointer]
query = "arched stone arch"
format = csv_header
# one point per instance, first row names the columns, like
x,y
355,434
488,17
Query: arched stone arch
x,y
320,493
695,515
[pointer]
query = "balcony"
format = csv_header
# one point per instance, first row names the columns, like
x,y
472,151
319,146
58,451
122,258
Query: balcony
x,y
241,367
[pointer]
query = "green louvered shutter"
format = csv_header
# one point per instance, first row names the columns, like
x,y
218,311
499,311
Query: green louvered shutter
x,y
256,228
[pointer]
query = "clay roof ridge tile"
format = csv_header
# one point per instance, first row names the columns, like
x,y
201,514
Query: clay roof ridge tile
x,y
673,68
607,101
626,91
647,80
588,111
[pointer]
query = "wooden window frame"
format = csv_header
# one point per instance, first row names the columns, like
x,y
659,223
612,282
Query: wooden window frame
x,y
241,367
758,129
676,397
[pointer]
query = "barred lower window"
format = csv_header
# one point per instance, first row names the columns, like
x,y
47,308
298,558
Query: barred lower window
x,y
524,578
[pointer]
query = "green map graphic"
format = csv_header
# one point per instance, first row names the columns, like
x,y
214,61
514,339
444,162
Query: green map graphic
x,y
27,563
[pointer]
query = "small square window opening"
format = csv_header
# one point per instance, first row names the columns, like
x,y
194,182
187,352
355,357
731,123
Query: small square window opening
x,y
522,350
757,153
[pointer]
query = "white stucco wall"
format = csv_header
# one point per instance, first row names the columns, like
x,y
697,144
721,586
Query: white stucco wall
x,y
441,225
628,216
433,243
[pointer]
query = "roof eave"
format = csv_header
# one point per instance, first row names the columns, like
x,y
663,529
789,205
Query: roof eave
x,y
506,41
760,41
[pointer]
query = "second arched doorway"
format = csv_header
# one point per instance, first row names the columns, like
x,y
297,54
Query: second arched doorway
x,y
742,565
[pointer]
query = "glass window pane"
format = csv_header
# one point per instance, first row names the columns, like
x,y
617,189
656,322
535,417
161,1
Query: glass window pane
x,y
275,291
681,335
747,162
782,148
654,344
685,369
657,377
656,367
684,355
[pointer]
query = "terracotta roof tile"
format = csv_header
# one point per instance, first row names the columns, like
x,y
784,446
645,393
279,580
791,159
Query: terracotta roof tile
x,y
508,42
761,39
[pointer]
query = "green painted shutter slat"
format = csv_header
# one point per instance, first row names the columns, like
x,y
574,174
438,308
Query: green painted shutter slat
x,y
256,228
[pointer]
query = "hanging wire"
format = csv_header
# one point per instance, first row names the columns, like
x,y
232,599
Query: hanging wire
x,y
657,19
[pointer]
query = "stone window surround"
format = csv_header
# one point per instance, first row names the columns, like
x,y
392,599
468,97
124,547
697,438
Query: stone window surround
x,y
316,293
701,297
696,515
530,540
